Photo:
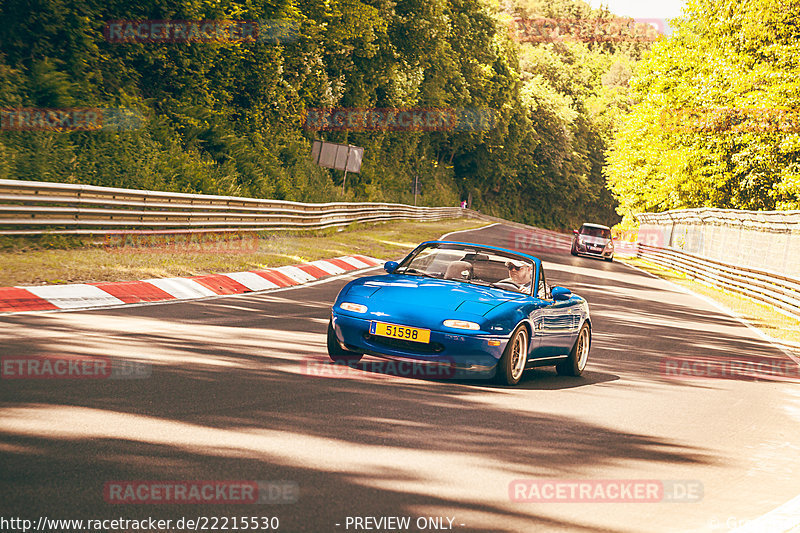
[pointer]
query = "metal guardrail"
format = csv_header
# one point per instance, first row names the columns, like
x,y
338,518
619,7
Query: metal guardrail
x,y
778,290
35,208
763,240
771,220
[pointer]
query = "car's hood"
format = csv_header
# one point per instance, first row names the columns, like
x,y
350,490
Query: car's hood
x,y
417,291
594,240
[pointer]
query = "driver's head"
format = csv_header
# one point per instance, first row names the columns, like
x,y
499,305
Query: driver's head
x,y
519,272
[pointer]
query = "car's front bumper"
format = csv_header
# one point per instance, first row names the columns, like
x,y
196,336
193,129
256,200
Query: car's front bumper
x,y
601,251
464,355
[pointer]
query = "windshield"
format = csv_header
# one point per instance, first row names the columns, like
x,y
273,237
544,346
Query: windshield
x,y
471,265
596,232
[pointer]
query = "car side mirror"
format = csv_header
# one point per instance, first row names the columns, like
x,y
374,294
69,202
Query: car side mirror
x,y
390,266
560,293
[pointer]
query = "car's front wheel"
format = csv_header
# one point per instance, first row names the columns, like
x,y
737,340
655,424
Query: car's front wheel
x,y
336,352
576,361
511,365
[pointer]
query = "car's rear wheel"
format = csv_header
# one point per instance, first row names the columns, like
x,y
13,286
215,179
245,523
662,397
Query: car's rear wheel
x,y
579,354
336,352
609,258
511,365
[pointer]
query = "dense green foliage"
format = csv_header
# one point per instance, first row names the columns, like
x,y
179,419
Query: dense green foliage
x,y
227,117
715,120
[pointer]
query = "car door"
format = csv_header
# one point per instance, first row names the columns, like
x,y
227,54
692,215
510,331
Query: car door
x,y
554,322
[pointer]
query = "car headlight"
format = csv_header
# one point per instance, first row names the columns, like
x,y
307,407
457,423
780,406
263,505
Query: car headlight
x,y
355,308
461,324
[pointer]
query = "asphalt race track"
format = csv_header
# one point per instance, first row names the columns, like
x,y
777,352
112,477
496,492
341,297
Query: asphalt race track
x,y
239,388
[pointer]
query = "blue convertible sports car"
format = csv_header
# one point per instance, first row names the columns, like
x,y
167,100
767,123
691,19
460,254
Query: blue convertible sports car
x,y
481,310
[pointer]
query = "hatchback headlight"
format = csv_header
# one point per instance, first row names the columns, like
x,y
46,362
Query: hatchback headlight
x,y
461,324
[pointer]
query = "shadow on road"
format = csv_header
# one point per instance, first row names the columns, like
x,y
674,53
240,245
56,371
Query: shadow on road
x,y
228,399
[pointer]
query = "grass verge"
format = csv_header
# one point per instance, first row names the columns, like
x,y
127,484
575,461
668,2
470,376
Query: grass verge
x,y
764,317
27,261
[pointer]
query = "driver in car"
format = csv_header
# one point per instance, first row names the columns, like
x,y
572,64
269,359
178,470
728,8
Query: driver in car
x,y
519,273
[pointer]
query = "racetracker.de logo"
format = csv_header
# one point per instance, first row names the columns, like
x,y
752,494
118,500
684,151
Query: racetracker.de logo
x,y
201,31
604,490
739,368
456,368
70,119
731,120
538,241
400,119
201,492
197,243
648,236
547,30
71,367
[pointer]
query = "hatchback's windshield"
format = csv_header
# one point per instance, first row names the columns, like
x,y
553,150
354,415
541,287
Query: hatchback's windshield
x,y
471,265
589,231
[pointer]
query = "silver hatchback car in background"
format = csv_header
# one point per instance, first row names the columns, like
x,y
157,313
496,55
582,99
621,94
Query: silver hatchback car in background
x,y
594,240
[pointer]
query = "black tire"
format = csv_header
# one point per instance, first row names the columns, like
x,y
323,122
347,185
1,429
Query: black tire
x,y
337,353
609,259
511,365
576,362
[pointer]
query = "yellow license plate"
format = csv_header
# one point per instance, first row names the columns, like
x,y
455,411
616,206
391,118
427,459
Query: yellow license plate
x,y
400,332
